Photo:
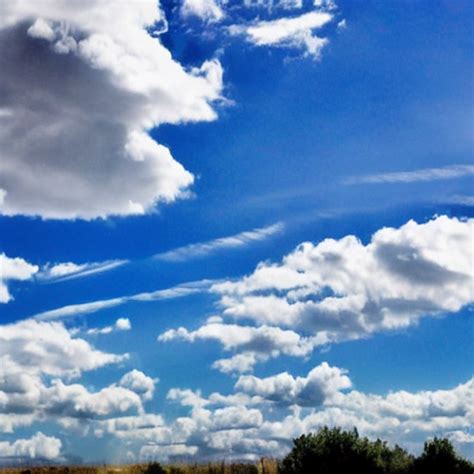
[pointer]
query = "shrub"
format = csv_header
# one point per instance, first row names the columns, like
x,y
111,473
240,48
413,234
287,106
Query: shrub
x,y
155,468
334,450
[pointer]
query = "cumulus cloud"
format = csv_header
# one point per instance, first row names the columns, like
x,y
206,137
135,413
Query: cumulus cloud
x,y
321,384
13,269
81,87
208,10
139,383
255,343
340,290
122,324
37,361
47,347
38,446
263,415
343,289
293,32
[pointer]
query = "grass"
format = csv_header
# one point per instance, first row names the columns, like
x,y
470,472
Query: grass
x,y
264,466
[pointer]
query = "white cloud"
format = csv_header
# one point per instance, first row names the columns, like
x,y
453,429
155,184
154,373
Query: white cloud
x,y
208,10
139,383
70,270
73,310
321,384
426,174
122,324
255,343
47,347
202,249
13,269
240,426
73,137
295,32
38,446
343,289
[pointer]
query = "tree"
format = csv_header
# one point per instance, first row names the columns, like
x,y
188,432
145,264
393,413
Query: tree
x,y
334,450
439,456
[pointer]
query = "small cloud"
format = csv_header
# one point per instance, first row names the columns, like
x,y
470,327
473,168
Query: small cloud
x,y
122,324
206,10
425,174
202,249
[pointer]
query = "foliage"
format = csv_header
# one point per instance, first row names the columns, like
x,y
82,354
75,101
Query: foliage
x,y
334,450
439,456
154,468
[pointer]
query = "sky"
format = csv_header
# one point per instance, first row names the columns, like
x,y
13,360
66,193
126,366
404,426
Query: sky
x,y
224,224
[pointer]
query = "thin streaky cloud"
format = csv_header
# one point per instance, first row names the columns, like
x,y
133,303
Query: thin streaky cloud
x,y
426,174
73,310
202,249
71,271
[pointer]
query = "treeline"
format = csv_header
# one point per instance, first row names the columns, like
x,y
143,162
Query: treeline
x,y
332,450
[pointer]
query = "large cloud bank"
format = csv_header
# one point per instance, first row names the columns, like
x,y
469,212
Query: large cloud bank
x,y
340,290
81,85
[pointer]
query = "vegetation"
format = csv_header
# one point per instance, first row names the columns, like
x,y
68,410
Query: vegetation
x,y
330,450
334,450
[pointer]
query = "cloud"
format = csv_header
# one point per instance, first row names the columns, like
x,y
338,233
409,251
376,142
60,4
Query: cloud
x,y
426,174
343,289
36,347
235,241
263,415
339,290
208,10
13,269
69,270
122,324
295,32
37,447
81,88
74,310
139,383
255,343
321,384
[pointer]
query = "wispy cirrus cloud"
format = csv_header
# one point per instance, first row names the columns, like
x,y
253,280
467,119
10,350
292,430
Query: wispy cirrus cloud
x,y
203,249
425,174
73,310
71,270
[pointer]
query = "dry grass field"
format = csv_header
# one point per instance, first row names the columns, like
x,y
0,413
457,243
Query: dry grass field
x,y
264,466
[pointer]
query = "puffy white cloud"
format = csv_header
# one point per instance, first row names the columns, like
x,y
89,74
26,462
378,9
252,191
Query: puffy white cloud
x,y
122,324
209,10
342,289
293,32
139,383
256,343
38,446
165,452
33,358
74,119
48,348
241,426
13,269
321,384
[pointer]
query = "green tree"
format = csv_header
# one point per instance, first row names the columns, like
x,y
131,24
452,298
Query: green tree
x,y
439,456
334,450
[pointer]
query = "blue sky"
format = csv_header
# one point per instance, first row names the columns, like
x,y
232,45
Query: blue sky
x,y
162,166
